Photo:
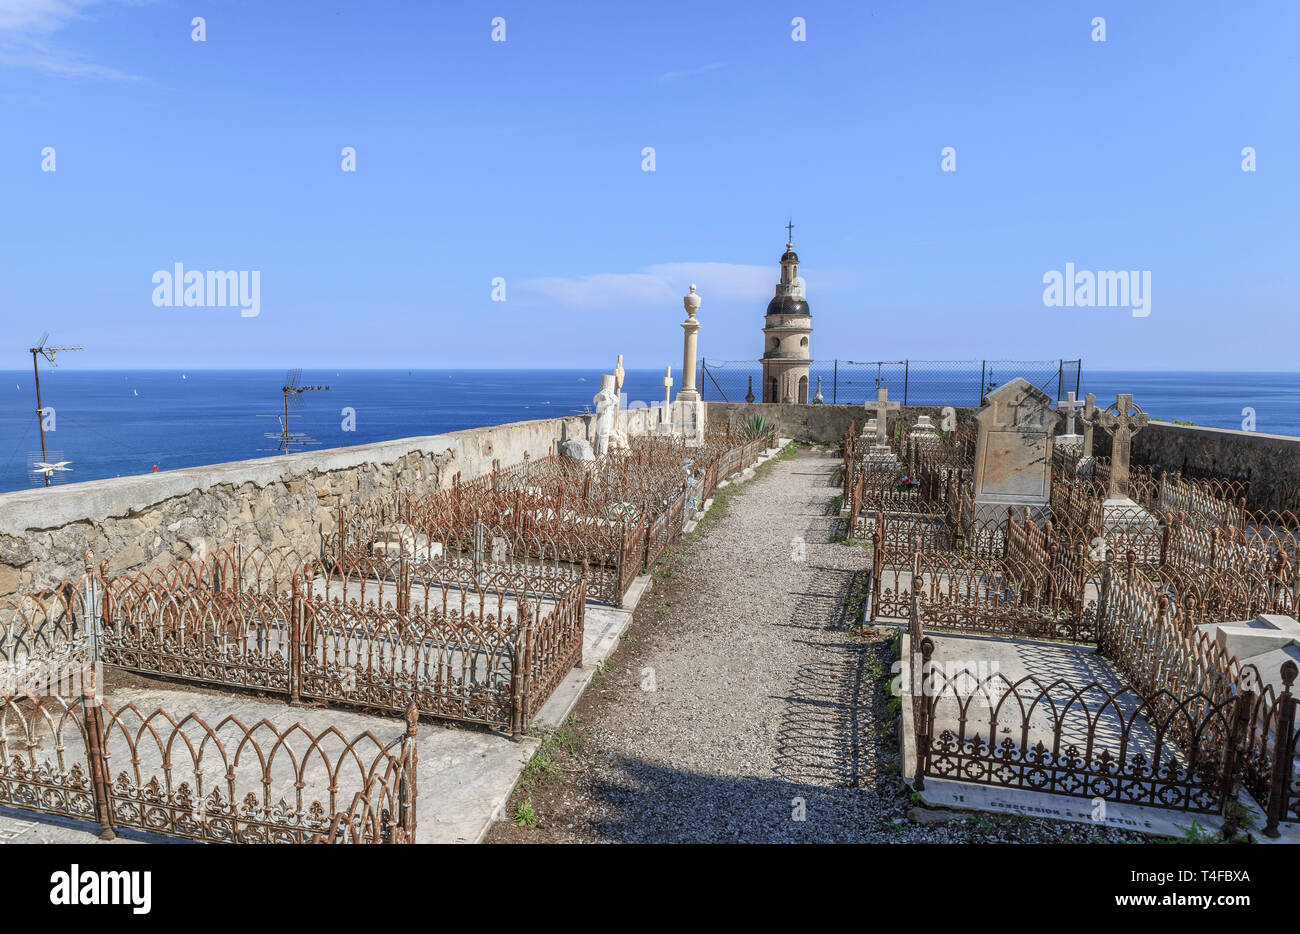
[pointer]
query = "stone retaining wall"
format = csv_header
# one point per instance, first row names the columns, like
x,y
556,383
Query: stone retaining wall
x,y
823,424
139,522
143,521
1265,457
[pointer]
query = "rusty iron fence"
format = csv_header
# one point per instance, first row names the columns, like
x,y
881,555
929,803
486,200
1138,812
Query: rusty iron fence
x,y
39,631
551,518
1187,728
179,776
1174,745
1185,725
475,647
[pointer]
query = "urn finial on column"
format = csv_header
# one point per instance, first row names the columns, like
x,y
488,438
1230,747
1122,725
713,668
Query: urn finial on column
x,y
691,327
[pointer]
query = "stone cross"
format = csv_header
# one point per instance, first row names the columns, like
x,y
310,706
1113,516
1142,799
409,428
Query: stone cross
x,y
1121,420
883,407
619,373
668,385
1069,405
1089,409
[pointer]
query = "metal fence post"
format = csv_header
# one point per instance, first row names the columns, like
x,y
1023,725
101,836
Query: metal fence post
x,y
835,383
519,682
1103,606
408,790
239,563
1279,789
906,369
96,758
922,724
1241,714
296,620
91,610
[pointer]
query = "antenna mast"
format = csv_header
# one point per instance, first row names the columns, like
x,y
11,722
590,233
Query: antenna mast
x,y
40,350
293,395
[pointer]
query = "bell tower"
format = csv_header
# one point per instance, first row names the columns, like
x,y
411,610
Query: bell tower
x,y
787,330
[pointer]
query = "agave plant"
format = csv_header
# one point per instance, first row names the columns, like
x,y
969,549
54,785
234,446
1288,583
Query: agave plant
x,y
754,427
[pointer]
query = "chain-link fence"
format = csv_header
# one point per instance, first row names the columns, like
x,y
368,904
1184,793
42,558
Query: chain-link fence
x,y
911,382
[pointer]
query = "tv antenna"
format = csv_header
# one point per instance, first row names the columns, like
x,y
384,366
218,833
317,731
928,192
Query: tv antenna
x,y
293,391
50,471
41,350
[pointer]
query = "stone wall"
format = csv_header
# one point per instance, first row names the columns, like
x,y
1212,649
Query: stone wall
x,y
1266,458
144,521
824,424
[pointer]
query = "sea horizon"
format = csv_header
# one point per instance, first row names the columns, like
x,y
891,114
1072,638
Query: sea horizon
x,y
116,422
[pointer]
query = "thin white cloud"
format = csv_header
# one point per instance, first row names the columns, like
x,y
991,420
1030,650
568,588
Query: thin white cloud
x,y
25,26
662,284
691,72
39,15
51,61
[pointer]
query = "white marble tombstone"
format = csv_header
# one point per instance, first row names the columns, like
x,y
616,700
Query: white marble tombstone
x,y
1013,453
1070,439
924,430
1267,642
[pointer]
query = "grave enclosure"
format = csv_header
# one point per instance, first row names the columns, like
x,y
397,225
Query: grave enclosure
x,y
1073,622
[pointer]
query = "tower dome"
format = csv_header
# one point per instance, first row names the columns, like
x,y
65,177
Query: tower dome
x,y
786,334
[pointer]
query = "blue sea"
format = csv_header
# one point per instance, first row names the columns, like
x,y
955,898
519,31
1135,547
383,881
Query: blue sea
x,y
114,423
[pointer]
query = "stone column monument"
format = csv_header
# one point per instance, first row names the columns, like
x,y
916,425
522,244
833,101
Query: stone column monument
x,y
688,392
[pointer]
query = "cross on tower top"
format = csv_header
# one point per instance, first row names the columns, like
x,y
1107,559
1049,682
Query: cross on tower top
x,y
789,231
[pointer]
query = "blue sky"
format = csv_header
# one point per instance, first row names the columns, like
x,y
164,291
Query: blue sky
x,y
523,160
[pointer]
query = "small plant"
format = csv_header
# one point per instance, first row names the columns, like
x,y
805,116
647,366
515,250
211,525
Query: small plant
x,y
1247,820
542,767
1196,834
525,815
914,798
756,426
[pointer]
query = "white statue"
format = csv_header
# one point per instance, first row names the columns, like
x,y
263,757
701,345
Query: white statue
x,y
606,402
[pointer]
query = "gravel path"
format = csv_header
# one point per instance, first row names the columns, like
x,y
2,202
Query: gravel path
x,y
766,704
